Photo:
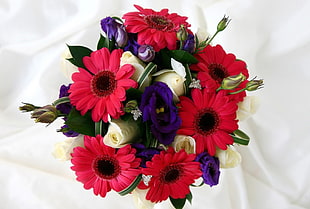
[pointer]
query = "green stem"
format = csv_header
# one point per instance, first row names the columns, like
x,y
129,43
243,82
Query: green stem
x,y
236,92
188,78
209,41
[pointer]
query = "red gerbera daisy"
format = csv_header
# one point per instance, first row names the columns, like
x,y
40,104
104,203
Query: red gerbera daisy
x,y
104,168
157,29
209,118
172,173
215,65
102,87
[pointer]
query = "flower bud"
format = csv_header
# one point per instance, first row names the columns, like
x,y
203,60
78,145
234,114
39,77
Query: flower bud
x,y
223,23
229,158
189,44
27,107
46,114
146,53
184,142
254,85
120,133
121,36
109,26
232,82
182,33
131,105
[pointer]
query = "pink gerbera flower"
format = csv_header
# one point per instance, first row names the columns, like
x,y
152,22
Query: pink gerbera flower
x,y
101,87
172,173
157,29
209,118
215,64
104,168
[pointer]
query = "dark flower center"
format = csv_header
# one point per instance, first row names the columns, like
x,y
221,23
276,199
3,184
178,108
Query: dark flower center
x,y
206,121
171,173
159,22
103,83
218,72
106,167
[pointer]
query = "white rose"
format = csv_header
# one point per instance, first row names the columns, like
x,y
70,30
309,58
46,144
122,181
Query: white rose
x,y
173,78
62,150
67,67
184,142
129,58
229,158
121,133
247,107
140,201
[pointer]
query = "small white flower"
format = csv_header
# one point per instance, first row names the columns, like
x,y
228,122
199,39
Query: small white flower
x,y
229,158
136,113
195,84
146,179
62,150
121,133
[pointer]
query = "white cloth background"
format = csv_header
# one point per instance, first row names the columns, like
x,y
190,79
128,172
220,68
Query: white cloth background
x,y
273,37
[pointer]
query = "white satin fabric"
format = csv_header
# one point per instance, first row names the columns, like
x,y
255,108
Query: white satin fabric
x,y
273,37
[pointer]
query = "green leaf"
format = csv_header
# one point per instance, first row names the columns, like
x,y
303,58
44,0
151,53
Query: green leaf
x,y
149,69
101,42
182,56
133,94
119,19
240,140
177,203
240,133
81,124
101,128
61,100
78,52
72,61
189,197
132,186
188,78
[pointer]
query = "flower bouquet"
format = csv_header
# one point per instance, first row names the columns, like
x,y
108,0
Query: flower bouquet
x,y
152,110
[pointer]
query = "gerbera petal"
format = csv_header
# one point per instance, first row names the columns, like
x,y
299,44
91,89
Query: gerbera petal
x,y
114,62
88,62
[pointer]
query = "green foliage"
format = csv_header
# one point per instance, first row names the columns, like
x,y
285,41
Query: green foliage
x,y
78,52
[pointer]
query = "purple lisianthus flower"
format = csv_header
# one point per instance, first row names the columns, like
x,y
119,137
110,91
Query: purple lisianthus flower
x,y
114,30
65,108
210,167
157,106
132,44
144,153
68,132
189,43
146,53
109,26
